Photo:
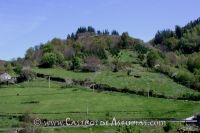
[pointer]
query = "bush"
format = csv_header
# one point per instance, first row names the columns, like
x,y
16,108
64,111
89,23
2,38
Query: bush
x,y
167,127
8,67
189,96
49,59
166,69
59,58
141,48
26,75
18,68
75,63
194,62
184,77
152,58
129,72
92,64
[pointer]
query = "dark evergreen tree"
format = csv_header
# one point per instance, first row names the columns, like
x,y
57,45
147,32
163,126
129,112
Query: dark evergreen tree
x,y
99,32
73,37
115,33
68,36
91,29
178,31
106,32
81,30
124,42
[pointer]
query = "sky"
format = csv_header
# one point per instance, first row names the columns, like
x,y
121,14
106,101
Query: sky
x,y
26,23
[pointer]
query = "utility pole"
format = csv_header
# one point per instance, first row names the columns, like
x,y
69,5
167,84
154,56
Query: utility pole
x,y
87,109
49,82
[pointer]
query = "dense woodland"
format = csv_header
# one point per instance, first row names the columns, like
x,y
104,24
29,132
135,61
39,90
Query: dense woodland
x,y
174,53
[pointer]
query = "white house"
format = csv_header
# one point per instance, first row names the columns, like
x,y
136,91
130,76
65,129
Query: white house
x,y
4,77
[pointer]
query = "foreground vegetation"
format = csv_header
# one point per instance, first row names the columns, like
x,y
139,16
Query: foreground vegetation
x,y
58,103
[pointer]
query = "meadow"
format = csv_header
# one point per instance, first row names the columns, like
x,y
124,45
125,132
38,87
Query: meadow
x,y
80,103
148,80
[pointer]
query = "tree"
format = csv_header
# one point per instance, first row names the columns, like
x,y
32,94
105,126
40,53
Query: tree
x,y
124,42
171,43
75,63
81,30
141,48
49,59
26,75
178,31
90,29
161,35
92,64
69,52
106,32
29,54
68,36
99,32
115,33
194,62
59,58
152,58
8,67
73,37
47,48
18,68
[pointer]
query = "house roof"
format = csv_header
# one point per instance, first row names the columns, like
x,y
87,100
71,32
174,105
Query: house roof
x,y
4,77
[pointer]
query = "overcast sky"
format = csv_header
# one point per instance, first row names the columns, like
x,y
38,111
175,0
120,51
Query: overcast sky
x,y
26,23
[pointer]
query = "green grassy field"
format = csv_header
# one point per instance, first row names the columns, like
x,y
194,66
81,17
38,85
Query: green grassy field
x,y
59,103
159,83
134,129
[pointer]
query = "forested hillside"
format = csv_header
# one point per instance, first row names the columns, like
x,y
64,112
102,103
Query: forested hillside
x,y
83,50
178,53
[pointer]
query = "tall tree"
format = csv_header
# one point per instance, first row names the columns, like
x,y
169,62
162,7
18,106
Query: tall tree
x,y
178,31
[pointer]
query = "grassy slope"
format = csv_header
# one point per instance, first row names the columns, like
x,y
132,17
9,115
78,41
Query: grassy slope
x,y
155,81
66,101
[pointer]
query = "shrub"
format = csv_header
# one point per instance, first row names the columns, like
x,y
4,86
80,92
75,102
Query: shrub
x,y
92,64
75,63
18,68
167,127
47,48
141,57
49,59
125,40
152,58
8,67
141,48
194,62
69,52
189,96
166,69
129,72
59,58
26,75
184,77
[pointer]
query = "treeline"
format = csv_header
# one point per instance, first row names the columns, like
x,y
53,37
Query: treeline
x,y
91,31
183,39
177,54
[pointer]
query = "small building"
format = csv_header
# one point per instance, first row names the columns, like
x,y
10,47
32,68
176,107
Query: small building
x,y
5,77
